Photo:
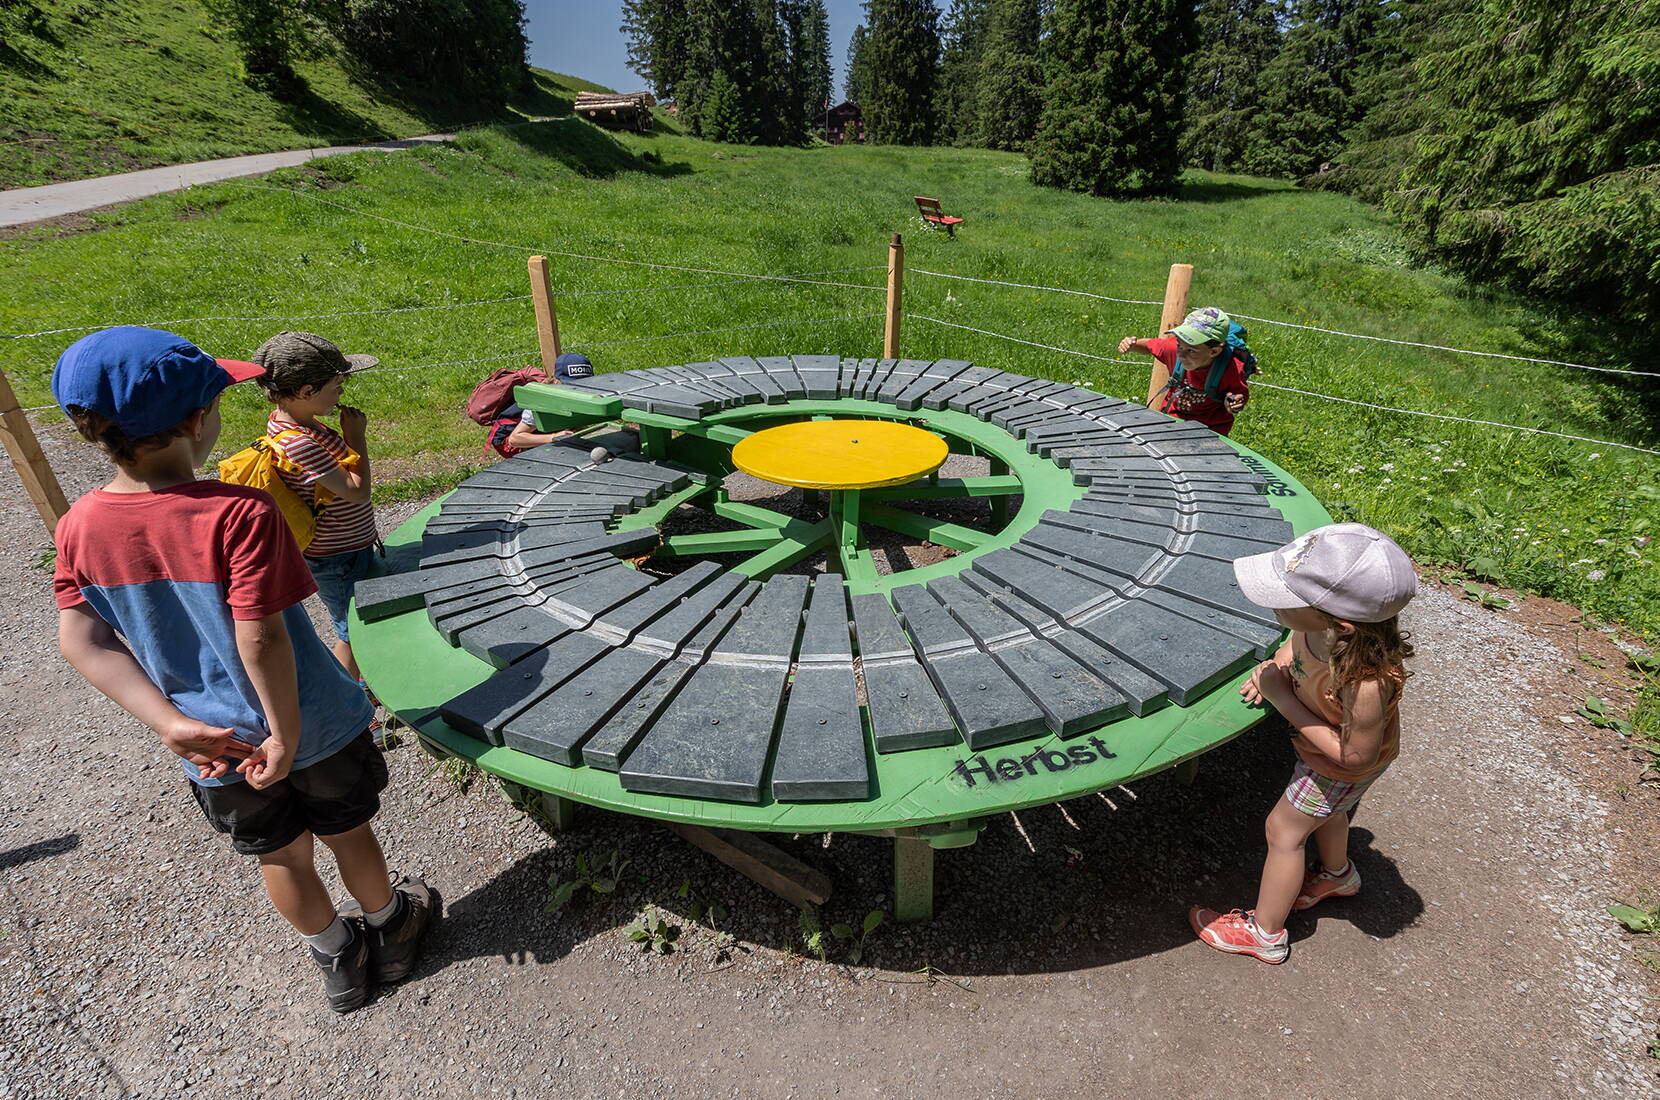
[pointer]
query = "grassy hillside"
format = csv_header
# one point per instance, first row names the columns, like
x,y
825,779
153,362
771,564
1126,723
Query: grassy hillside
x,y
96,89
1564,518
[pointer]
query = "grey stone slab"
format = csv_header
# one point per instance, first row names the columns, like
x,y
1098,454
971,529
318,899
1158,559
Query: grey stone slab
x,y
545,458
454,610
522,480
619,624
990,625
824,637
1183,445
479,540
985,702
758,377
617,544
580,707
904,373
667,635
509,544
1269,529
1048,422
782,370
608,746
618,441
1211,583
482,710
821,742
673,400
1189,657
1069,455
720,379
905,710
767,628
819,374
1073,699
1262,637
1125,559
847,378
379,597
1002,415
1160,535
941,396
512,636
598,593
1038,582
611,382
1132,417
552,534
937,374
1142,694
714,738
864,377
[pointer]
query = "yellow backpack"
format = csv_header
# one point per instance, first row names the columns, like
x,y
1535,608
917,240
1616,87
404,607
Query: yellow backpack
x,y
256,466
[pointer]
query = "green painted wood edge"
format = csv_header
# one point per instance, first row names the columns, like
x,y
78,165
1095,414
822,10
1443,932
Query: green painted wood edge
x,y
569,401
414,671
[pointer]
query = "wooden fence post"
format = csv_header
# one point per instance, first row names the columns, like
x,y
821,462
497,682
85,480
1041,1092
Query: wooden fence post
x,y
547,321
38,479
1175,308
896,295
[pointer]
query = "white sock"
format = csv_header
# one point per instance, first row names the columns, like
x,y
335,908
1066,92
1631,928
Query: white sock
x,y
333,939
382,916
1339,873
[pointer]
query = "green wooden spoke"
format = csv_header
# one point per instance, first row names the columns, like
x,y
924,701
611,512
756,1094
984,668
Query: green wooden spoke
x,y
721,542
938,531
949,488
751,515
795,543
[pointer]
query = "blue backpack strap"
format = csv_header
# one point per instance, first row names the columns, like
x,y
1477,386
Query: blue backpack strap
x,y
1233,349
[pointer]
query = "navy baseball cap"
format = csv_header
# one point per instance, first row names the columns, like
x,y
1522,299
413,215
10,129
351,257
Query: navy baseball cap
x,y
571,365
143,379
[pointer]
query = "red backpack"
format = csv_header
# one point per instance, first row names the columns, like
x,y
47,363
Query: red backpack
x,y
495,392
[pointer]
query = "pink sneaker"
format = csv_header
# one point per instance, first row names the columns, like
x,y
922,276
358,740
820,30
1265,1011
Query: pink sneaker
x,y
1237,933
1323,884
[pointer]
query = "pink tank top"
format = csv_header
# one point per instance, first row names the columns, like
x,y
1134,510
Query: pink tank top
x,y
1315,687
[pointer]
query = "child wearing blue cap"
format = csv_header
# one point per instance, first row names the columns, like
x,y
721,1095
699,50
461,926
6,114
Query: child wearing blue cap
x,y
181,600
524,435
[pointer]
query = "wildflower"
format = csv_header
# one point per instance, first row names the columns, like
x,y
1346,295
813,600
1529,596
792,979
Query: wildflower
x,y
1595,575
1599,542
1596,454
1387,466
1337,485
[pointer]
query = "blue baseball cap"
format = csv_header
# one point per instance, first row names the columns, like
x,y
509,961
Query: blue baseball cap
x,y
571,365
143,379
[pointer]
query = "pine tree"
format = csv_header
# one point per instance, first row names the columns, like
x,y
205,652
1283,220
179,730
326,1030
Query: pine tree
x,y
1112,115
961,38
1308,102
1009,89
856,86
807,32
770,101
658,33
1237,39
903,47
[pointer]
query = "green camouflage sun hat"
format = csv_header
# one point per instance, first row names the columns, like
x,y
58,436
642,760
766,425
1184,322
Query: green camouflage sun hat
x,y
1202,326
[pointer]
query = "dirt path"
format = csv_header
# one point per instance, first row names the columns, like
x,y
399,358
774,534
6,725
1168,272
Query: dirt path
x,y
137,955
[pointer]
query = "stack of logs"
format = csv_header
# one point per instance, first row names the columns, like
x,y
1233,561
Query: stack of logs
x,y
630,110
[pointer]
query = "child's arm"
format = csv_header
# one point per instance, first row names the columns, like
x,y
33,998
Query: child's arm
x,y
351,484
1132,343
1355,746
91,645
525,438
268,656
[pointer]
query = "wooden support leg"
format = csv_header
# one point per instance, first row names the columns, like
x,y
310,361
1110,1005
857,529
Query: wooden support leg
x,y
1187,771
560,811
771,868
913,879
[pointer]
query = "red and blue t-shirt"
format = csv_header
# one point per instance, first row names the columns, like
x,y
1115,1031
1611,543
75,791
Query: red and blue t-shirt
x,y
1185,397
172,571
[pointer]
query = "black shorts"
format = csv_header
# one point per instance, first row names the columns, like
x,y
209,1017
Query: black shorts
x,y
334,795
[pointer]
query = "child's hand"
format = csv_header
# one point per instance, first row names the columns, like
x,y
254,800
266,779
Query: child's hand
x,y
212,749
1126,345
1234,402
353,421
267,764
1251,689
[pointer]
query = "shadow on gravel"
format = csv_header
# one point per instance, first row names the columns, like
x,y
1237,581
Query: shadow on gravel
x,y
40,849
1051,889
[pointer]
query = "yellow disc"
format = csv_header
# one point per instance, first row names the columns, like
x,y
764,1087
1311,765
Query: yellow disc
x,y
840,454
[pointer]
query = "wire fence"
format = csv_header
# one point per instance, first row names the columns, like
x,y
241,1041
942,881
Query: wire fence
x,y
812,278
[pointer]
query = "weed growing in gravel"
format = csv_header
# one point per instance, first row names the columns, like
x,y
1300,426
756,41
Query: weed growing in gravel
x,y
1642,918
812,935
856,940
457,772
46,559
710,913
653,932
600,878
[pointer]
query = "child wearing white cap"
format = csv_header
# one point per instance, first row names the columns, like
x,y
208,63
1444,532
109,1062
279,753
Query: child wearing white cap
x,y
1337,681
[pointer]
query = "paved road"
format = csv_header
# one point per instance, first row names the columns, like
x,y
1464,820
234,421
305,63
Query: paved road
x,y
32,204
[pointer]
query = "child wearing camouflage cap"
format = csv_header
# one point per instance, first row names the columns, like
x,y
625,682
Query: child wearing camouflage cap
x,y
1191,350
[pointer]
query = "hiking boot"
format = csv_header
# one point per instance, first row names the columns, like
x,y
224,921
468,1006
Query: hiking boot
x,y
394,945
346,975
1322,884
1237,933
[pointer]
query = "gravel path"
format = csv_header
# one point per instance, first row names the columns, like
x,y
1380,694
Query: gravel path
x,y
139,957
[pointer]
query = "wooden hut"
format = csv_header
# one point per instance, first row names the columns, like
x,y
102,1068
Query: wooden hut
x,y
617,111
844,123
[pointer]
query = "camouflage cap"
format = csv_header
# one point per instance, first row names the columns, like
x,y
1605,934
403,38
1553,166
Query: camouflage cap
x,y
1202,326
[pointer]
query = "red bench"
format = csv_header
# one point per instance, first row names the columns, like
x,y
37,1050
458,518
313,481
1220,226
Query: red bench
x,y
934,216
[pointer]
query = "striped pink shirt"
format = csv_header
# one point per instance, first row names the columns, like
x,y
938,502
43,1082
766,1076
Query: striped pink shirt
x,y
343,525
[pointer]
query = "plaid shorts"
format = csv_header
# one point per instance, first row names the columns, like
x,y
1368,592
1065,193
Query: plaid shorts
x,y
1313,794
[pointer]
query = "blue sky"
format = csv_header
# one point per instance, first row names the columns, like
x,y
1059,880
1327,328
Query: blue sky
x,y
582,38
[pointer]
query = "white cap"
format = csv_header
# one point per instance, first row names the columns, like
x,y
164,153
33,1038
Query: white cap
x,y
1347,570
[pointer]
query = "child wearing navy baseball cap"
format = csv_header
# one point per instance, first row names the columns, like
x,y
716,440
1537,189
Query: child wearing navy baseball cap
x,y
181,600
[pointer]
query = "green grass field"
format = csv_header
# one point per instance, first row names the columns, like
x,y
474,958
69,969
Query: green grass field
x,y
1548,515
95,89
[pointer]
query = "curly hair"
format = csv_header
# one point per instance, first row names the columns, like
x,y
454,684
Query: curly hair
x,y
1370,650
101,430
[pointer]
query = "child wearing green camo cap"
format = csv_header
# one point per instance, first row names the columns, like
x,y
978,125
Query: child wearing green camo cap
x,y
1193,350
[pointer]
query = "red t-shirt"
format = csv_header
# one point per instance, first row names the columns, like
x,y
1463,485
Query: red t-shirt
x,y
1186,397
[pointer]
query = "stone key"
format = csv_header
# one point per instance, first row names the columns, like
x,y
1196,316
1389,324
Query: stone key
x,y
988,706
905,710
821,744
715,737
